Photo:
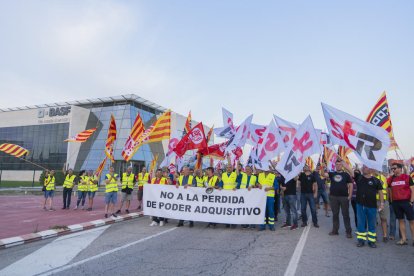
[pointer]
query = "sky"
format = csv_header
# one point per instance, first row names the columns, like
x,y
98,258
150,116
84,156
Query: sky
x,y
251,57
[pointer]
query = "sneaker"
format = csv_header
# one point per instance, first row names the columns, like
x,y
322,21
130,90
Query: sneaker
x,y
360,244
304,225
76,207
161,223
118,212
154,223
372,244
402,242
52,209
349,235
285,226
293,227
316,225
106,215
83,207
63,208
333,233
114,215
127,211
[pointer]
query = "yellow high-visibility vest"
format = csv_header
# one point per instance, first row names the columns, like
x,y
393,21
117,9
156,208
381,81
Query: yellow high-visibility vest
x,y
50,183
69,181
83,184
200,181
212,181
112,186
190,180
163,181
128,181
267,181
93,187
384,186
229,181
252,181
142,179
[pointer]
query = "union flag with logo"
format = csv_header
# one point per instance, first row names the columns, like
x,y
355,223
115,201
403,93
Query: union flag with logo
x,y
195,139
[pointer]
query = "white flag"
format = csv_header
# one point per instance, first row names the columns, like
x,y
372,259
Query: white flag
x,y
272,144
170,155
239,139
228,129
286,128
255,134
302,145
369,142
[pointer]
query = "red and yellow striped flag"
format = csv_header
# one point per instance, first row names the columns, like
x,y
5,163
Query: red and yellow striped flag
x,y
187,126
15,150
101,167
109,146
82,136
210,132
136,131
310,163
343,153
153,164
380,116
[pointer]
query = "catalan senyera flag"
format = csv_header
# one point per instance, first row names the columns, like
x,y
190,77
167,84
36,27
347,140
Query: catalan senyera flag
x,y
101,166
343,153
310,163
210,132
158,131
153,164
136,131
330,157
187,126
109,146
380,116
82,136
14,150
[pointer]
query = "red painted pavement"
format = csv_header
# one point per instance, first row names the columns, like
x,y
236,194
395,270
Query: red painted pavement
x,y
22,215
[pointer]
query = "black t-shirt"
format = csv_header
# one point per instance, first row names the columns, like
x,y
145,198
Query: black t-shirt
x,y
339,183
321,182
306,183
367,189
290,187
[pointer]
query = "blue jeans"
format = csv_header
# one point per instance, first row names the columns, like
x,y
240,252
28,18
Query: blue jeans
x,y
81,197
290,209
270,212
393,223
366,215
304,199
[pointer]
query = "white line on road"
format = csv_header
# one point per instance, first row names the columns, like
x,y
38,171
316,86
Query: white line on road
x,y
294,261
66,267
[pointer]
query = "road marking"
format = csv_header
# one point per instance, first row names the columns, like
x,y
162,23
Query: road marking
x,y
294,261
55,254
66,267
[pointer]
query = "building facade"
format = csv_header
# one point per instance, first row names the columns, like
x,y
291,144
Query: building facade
x,y
42,130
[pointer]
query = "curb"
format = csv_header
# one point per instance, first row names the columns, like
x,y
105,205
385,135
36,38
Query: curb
x,y
18,240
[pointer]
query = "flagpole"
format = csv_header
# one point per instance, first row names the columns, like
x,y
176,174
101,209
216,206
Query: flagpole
x,y
32,163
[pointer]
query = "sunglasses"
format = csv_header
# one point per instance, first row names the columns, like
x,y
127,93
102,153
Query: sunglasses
x,y
393,169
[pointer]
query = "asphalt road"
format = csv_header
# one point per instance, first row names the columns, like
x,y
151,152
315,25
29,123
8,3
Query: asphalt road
x,y
134,248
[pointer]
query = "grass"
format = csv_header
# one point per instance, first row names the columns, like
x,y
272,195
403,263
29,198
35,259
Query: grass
x,y
15,184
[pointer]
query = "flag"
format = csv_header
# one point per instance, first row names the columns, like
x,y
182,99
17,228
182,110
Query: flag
x,y
255,134
158,131
195,139
101,167
136,131
228,129
170,155
109,146
330,157
216,150
81,136
380,116
238,140
309,162
272,144
286,128
370,143
187,125
14,150
302,145
153,164
343,153
210,132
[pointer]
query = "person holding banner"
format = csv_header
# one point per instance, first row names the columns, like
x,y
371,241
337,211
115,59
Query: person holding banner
x,y
185,180
82,189
200,179
212,181
228,181
269,182
111,192
308,194
401,190
92,189
247,181
340,195
143,177
128,183
161,180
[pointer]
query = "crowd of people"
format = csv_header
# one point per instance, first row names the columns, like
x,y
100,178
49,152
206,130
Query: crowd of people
x,y
375,198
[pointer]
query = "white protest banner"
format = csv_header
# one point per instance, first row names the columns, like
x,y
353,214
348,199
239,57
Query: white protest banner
x,y
369,142
220,206
286,128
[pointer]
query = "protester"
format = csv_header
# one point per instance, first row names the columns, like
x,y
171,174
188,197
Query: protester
x,y
185,180
353,198
247,181
228,181
308,193
401,190
340,195
92,189
367,188
289,198
158,179
68,187
212,181
82,189
200,179
49,192
384,213
128,183
268,181
322,194
111,192
143,177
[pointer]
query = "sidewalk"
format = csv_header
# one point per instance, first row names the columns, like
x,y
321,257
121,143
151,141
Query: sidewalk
x,y
23,214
